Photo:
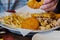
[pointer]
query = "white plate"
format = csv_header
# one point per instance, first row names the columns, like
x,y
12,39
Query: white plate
x,y
23,10
55,35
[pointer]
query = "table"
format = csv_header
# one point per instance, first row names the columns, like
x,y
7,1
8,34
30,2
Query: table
x,y
16,36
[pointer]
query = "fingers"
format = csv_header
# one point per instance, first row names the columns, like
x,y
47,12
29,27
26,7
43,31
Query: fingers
x,y
46,6
47,1
52,8
49,7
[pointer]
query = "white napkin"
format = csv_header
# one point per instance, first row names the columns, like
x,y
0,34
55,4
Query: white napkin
x,y
27,9
3,14
24,32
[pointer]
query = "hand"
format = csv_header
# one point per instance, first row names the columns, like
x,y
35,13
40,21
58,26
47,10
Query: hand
x,y
49,5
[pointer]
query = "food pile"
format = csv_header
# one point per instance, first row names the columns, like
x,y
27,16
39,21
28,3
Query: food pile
x,y
37,21
47,20
35,3
13,20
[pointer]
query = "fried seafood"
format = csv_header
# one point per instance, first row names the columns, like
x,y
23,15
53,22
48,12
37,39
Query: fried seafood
x,y
57,16
35,3
42,21
47,20
30,23
45,15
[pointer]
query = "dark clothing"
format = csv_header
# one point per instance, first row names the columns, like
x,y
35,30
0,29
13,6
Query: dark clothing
x,y
57,10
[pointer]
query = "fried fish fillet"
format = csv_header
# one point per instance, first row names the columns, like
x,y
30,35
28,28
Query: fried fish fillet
x,y
30,23
57,16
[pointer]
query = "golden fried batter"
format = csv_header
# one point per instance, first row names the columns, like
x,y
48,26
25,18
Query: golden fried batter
x,y
45,15
57,16
36,15
30,23
35,3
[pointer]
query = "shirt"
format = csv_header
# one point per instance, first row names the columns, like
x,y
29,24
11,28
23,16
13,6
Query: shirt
x,y
13,5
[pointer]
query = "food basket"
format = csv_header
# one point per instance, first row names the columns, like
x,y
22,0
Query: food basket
x,y
25,9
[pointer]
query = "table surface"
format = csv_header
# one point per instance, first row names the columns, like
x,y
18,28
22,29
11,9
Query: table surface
x,y
16,36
